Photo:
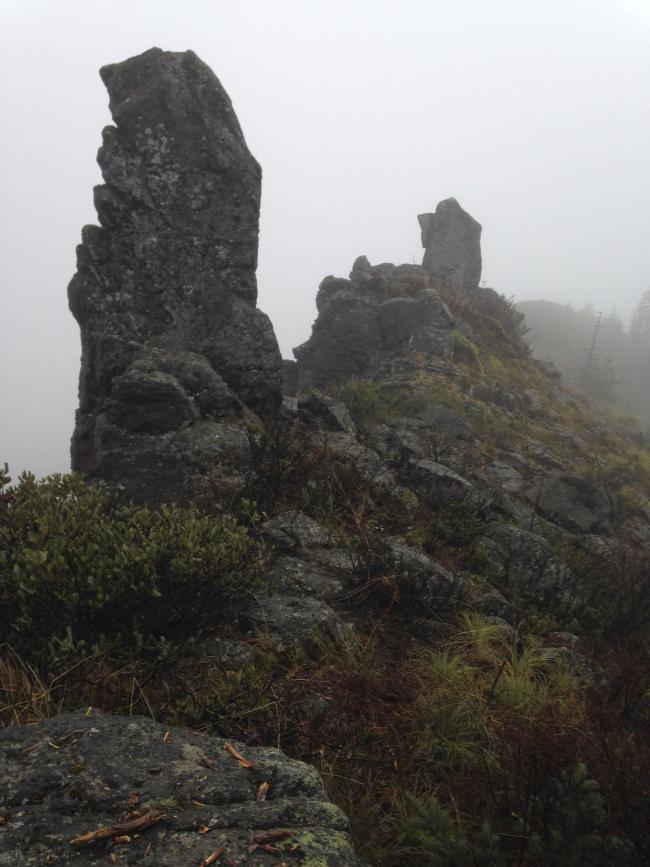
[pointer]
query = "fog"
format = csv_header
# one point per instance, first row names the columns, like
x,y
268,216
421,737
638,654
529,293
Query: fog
x,y
362,114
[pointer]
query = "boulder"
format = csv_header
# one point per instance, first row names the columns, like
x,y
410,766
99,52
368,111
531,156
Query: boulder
x,y
293,531
297,577
424,583
436,484
165,290
577,504
295,620
526,561
88,788
452,246
331,414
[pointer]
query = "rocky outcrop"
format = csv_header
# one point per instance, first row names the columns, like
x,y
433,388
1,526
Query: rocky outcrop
x,y
377,314
452,246
88,788
175,353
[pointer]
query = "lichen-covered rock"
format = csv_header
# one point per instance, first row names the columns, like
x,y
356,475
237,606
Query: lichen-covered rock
x,y
452,246
165,290
76,773
380,312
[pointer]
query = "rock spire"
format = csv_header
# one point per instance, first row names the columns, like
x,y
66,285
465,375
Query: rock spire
x,y
452,246
175,353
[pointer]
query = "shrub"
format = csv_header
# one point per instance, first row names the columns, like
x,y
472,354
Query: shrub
x,y
368,402
79,569
431,831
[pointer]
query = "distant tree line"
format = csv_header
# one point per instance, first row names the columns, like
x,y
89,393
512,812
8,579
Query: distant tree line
x,y
596,353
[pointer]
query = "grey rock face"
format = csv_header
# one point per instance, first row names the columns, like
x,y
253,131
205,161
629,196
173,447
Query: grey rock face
x,y
105,767
452,246
165,290
574,503
378,313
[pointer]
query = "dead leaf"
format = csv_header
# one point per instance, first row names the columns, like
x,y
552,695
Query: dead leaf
x,y
199,804
137,824
167,737
123,839
203,829
113,858
272,850
262,791
212,858
237,755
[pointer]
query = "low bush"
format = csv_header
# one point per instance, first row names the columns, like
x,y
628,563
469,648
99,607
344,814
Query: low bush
x,y
79,569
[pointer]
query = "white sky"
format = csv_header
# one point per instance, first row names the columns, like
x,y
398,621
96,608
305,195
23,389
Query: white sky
x,y
362,113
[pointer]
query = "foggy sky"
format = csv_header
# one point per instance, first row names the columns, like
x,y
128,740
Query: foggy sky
x,y
362,114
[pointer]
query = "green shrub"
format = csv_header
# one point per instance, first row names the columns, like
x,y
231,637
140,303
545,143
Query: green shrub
x,y
466,350
571,821
432,832
78,569
368,402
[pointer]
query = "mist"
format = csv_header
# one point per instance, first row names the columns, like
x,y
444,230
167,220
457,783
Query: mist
x,y
362,116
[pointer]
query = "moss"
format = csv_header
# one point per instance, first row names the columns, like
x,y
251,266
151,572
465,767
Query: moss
x,y
467,351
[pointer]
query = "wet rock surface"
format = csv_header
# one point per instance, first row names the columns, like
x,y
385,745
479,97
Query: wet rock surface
x,y
165,291
76,773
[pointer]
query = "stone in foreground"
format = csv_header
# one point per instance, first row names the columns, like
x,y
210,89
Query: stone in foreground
x,y
74,774
173,346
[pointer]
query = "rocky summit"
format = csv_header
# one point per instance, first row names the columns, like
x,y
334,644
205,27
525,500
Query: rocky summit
x,y
452,246
175,354
419,579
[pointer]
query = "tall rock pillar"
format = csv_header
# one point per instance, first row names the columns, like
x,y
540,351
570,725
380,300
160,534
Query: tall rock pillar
x,y
175,353
452,246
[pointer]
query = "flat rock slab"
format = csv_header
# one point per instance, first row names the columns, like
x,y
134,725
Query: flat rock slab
x,y
74,774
